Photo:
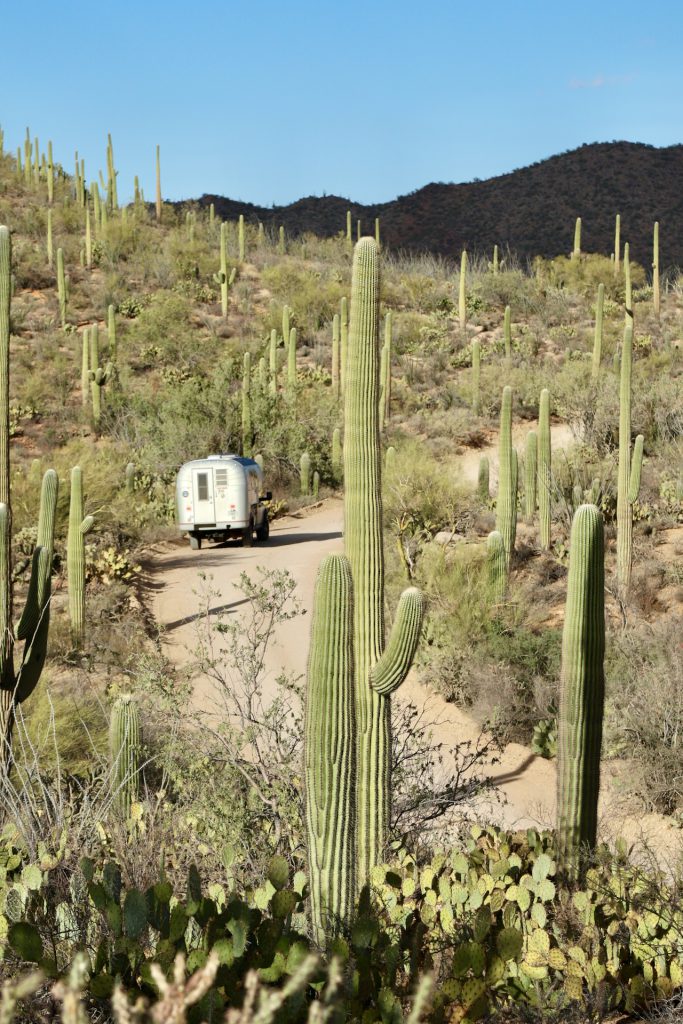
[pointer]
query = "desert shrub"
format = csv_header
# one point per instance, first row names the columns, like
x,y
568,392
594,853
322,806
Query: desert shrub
x,y
644,720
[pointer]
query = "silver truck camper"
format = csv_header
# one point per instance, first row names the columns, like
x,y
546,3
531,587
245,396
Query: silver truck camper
x,y
220,497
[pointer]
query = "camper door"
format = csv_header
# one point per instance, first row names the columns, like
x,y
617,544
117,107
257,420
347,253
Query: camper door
x,y
202,491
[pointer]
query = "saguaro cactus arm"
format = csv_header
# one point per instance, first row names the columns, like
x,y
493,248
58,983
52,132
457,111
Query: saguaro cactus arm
x,y
636,469
394,664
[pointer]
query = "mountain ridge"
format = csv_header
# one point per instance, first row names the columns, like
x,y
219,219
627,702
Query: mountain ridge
x,y
527,209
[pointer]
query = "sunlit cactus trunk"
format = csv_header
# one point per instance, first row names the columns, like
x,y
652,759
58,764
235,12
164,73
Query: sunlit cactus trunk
x,y
497,565
462,292
330,749
483,485
577,239
377,671
655,269
530,475
582,692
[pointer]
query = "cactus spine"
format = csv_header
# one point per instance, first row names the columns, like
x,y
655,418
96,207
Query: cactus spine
x,y
506,504
497,564
628,482
462,291
655,269
79,526
125,741
507,333
617,244
336,383
582,691
476,375
246,406
379,669
483,485
597,341
544,470
330,750
530,475
577,239
62,292
305,474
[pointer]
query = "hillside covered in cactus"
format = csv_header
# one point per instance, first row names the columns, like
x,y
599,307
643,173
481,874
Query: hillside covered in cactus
x,y
216,807
531,209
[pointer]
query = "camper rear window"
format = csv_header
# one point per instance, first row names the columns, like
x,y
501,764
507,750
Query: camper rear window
x,y
202,486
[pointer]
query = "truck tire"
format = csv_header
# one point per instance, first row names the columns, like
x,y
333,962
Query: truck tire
x,y
248,535
263,531
195,542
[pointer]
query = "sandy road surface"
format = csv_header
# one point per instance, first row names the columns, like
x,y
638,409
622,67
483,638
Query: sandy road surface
x,y
525,783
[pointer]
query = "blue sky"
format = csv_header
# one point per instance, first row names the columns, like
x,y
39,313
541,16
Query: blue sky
x,y
270,100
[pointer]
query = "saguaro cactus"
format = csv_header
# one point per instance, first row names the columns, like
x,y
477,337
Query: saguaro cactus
x,y
336,382
85,366
386,378
272,361
582,692
530,475
62,287
655,269
617,244
97,375
130,477
305,474
337,454
577,239
497,564
343,338
240,238
79,526
506,504
111,332
483,485
330,742
223,271
495,262
628,292
291,361
507,333
628,481
462,291
597,341
476,376
16,686
125,740
246,406
379,669
49,247
544,470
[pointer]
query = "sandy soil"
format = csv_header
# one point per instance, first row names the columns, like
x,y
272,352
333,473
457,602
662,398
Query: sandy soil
x,y
525,784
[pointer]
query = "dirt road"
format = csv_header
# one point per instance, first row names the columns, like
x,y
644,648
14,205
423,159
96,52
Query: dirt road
x,y
525,783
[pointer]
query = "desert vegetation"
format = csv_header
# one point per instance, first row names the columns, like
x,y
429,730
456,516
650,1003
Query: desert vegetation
x,y
507,440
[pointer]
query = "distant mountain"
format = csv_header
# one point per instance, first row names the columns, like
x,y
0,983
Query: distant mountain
x,y
532,209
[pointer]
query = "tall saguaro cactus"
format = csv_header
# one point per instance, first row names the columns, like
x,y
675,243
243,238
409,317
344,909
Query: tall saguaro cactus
x,y
343,338
16,686
597,340
628,480
530,475
330,752
577,239
336,382
507,333
506,504
379,668
617,244
655,269
79,526
462,291
62,287
544,470
582,691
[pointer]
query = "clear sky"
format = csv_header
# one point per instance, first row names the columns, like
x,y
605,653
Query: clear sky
x,y
270,100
